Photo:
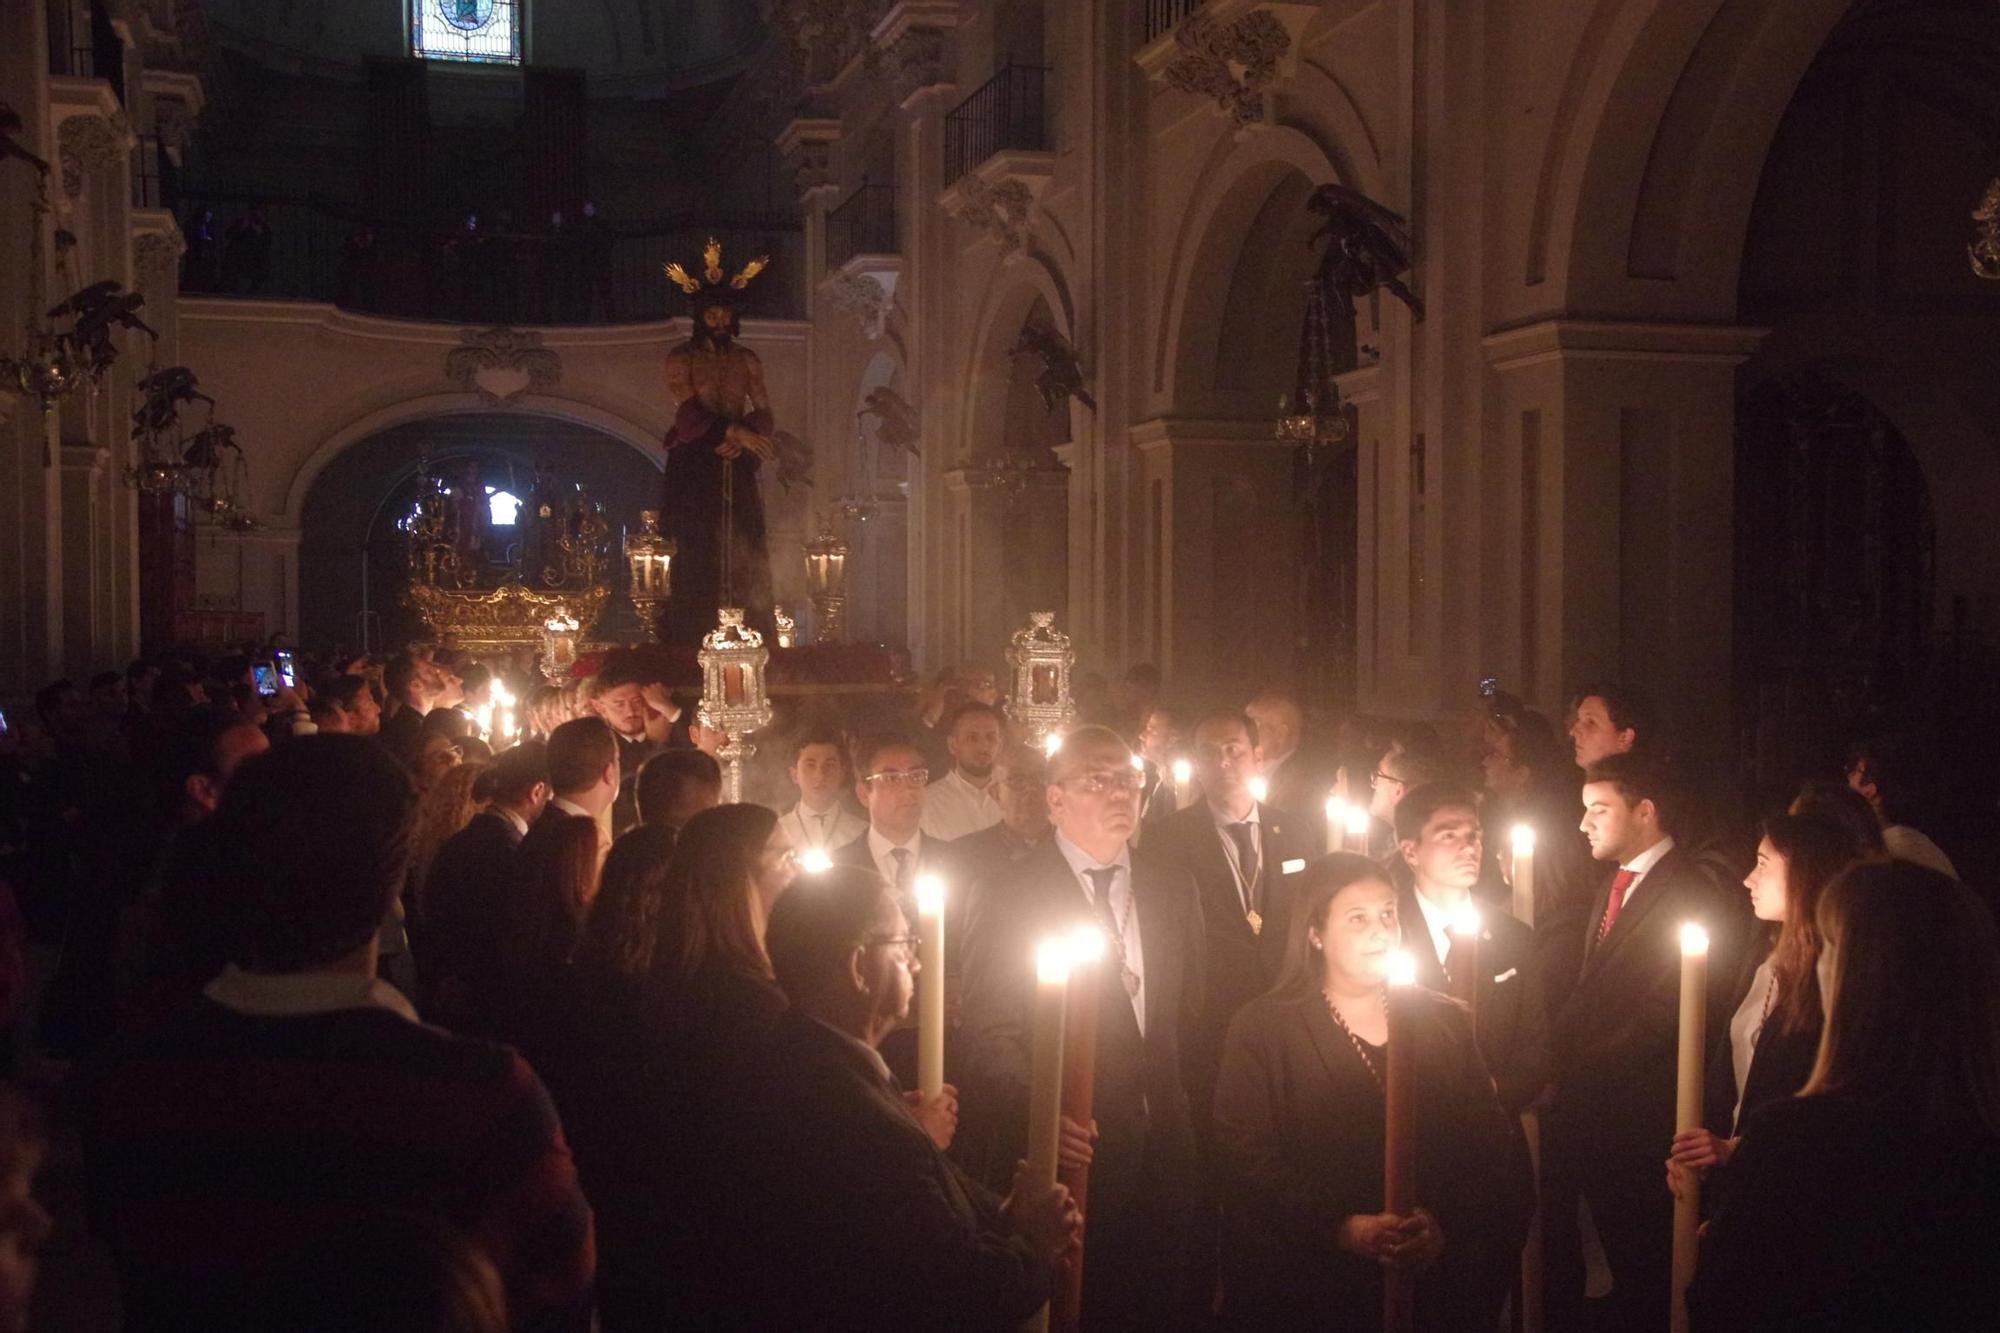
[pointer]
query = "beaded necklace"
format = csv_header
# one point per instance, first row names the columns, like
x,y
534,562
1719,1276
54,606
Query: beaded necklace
x,y
1360,1046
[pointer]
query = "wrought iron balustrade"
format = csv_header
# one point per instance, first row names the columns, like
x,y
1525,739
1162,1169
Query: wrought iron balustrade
x,y
1008,111
864,223
1163,16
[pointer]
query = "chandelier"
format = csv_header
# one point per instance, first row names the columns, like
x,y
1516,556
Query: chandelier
x,y
45,369
1312,413
205,463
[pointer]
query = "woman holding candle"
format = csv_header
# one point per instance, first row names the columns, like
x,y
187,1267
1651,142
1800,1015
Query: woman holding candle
x,y
1299,1133
1773,1035
1871,1201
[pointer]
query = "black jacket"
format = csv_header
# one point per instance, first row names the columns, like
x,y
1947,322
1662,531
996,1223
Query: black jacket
x,y
456,932
869,1226
1511,1017
1299,1138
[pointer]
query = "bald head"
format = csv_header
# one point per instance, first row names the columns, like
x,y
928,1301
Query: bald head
x,y
1280,723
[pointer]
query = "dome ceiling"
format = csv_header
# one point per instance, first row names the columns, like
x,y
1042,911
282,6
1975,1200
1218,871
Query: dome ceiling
x,y
626,48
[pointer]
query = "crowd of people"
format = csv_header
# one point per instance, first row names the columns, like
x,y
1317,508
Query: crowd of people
x,y
371,1002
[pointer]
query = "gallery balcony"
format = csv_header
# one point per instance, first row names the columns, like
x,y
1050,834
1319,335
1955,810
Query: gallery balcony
x,y
1007,113
864,223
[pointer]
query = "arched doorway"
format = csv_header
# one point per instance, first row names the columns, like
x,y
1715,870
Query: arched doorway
x,y
351,553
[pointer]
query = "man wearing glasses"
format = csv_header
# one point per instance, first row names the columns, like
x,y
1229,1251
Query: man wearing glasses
x,y
891,789
1403,767
1141,1154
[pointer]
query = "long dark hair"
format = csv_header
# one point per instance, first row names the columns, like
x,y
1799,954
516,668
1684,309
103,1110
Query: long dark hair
x,y
622,932
1315,889
1914,1019
1816,849
709,917
556,882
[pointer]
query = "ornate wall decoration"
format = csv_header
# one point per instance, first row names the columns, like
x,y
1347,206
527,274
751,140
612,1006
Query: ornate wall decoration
x,y
501,364
811,162
156,256
822,36
919,59
1233,63
90,142
863,297
1004,211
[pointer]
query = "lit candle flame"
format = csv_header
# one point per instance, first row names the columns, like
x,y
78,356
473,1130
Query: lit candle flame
x,y
1694,939
1336,812
1402,968
1183,771
1524,840
930,895
1260,790
1053,957
1138,763
1051,743
1467,921
1358,821
815,861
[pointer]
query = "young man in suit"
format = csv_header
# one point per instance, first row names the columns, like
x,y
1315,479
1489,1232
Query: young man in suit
x,y
873,1226
1614,1045
820,821
1438,837
456,901
1142,1155
890,786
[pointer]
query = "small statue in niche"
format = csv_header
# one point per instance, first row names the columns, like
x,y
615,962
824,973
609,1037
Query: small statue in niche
x,y
896,422
1368,248
165,390
1062,374
96,308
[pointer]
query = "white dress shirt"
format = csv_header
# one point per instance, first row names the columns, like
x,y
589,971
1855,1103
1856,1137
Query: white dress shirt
x,y
1124,912
1222,822
299,994
835,826
953,807
1437,924
883,853
520,824
1642,865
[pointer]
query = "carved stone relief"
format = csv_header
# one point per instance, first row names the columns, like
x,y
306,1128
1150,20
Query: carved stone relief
x,y
1234,63
500,364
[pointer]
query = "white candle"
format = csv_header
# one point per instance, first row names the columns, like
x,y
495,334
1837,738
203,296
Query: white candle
x,y
1139,821
1052,964
1336,823
1465,928
1687,1107
1399,1141
1358,823
1260,790
1183,784
1523,839
930,993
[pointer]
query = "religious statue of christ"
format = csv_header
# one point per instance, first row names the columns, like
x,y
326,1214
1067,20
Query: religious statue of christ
x,y
721,436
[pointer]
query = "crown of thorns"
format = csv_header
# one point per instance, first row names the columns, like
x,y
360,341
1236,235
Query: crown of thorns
x,y
711,256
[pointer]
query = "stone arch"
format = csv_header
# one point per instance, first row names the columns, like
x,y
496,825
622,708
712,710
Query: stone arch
x,y
455,404
1662,126
1013,293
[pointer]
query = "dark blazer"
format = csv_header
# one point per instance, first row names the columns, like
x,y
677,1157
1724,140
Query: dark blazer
x,y
1511,1015
1299,1139
456,930
1779,1066
632,756
869,1226
400,732
1240,963
972,861
1614,1044
1847,1218
1142,1180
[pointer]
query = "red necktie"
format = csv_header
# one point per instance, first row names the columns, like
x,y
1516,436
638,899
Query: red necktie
x,y
1619,883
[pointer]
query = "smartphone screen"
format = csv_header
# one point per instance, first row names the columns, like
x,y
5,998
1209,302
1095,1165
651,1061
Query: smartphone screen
x,y
284,660
266,676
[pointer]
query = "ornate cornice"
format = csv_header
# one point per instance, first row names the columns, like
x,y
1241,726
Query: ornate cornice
x,y
500,364
861,296
1233,62
88,142
157,255
1004,210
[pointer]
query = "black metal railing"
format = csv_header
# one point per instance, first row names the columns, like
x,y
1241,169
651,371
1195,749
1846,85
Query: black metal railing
x,y
86,46
864,223
153,174
599,273
1006,112
1163,16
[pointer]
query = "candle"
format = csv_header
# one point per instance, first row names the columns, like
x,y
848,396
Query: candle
x,y
1465,928
1260,790
1139,822
1051,743
1052,965
1336,823
1358,823
1079,1088
1399,1143
1523,838
1687,1107
815,861
930,994
1183,784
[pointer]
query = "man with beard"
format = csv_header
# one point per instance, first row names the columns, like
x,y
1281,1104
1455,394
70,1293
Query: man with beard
x,y
964,801
721,436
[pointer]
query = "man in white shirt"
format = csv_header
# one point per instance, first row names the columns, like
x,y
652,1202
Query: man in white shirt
x,y
1880,769
821,820
891,788
963,801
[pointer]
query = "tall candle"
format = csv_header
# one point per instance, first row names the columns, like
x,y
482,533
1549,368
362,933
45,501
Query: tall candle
x,y
1523,839
930,993
1687,1107
1465,929
1336,823
1139,820
1358,823
1079,1098
1052,965
1183,784
1399,1138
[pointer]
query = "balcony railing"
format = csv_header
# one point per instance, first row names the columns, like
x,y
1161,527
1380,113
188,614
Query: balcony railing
x,y
1006,112
85,45
606,273
1163,16
864,223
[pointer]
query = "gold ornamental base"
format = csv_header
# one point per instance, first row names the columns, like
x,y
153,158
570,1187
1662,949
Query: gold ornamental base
x,y
510,616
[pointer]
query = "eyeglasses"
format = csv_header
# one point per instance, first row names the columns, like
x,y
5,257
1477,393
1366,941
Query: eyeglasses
x,y
1378,777
910,944
900,777
1109,780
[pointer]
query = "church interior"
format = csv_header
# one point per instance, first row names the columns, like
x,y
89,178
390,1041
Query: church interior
x,y
1386,358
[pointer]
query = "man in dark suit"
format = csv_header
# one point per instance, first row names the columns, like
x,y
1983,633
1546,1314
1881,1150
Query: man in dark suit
x,y
1142,1157
458,900
408,686
868,1224
1298,776
1614,1046
1439,842
1020,779
1161,742
890,786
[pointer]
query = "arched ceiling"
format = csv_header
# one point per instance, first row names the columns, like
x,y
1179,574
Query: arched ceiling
x,y
626,48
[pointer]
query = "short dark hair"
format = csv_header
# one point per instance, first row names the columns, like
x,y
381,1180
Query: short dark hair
x,y
1637,778
819,735
519,769
312,843
399,675
1628,709
816,925
344,690
665,778
48,699
870,748
448,722
1420,803
579,750
1227,717
475,675
624,669
1534,740
188,747
972,708
1845,806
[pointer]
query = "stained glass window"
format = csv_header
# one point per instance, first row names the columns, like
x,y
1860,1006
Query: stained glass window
x,y
488,31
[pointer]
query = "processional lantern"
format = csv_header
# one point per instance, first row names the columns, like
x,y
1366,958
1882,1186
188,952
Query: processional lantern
x,y
1042,659
650,560
788,628
826,582
559,642
733,701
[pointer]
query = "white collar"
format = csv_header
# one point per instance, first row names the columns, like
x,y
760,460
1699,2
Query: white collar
x,y
960,779
298,994
1080,860
569,807
520,824
1646,860
879,846
1434,919
1223,821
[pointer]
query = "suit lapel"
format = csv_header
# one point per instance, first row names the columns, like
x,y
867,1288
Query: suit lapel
x,y
1654,885
1417,939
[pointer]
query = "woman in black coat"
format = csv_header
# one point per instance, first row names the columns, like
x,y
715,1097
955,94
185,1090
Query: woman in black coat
x,y
1767,1050
1299,1136
1871,1200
